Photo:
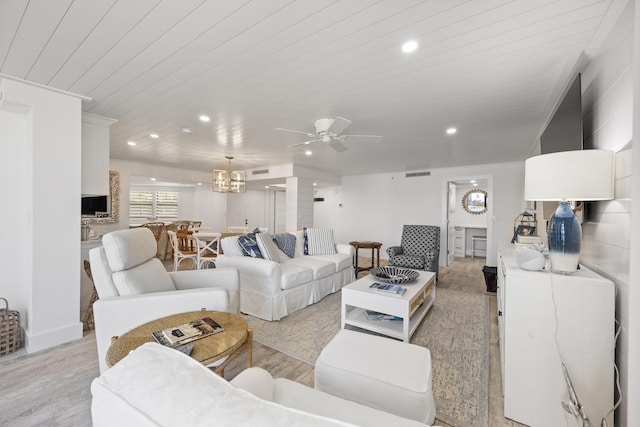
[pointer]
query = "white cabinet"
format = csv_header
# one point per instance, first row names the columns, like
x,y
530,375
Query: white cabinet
x,y
459,241
544,319
95,154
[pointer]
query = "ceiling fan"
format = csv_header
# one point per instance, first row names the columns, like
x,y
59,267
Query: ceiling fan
x,y
330,131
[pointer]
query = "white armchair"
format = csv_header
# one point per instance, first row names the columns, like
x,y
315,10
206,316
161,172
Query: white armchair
x,y
134,287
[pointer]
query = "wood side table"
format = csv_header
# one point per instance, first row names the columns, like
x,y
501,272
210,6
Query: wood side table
x,y
374,246
229,343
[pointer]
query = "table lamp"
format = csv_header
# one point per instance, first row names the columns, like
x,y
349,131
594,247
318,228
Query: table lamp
x,y
566,176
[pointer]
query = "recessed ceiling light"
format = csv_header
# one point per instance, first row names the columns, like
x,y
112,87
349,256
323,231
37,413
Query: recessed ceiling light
x,y
475,185
266,186
410,46
153,179
131,143
199,183
473,181
204,118
451,131
308,152
186,130
154,135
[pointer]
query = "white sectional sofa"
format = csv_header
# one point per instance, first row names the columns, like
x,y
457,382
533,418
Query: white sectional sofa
x,y
159,386
271,290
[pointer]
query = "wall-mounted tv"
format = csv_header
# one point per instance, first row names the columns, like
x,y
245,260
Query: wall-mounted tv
x,y
564,131
95,205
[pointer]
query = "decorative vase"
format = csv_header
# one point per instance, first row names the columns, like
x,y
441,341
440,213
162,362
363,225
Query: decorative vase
x,y
565,235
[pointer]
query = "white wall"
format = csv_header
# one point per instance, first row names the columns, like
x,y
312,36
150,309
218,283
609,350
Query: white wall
x,y
608,84
375,207
41,131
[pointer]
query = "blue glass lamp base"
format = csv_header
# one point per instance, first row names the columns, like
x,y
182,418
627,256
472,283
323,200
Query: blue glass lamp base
x,y
565,235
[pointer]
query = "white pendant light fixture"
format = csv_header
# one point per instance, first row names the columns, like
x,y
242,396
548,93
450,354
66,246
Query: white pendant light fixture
x,y
229,181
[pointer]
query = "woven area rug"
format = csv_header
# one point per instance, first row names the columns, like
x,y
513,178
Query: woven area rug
x,y
455,330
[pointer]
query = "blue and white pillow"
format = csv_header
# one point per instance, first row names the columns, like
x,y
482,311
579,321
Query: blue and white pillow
x,y
319,241
249,245
287,243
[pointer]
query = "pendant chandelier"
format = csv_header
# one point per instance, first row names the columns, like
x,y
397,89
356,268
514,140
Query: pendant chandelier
x,y
228,181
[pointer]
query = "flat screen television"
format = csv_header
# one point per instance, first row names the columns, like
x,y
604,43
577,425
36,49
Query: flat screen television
x,y
564,131
92,205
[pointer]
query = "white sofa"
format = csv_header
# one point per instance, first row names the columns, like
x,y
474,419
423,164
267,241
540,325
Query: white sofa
x,y
158,386
271,290
134,287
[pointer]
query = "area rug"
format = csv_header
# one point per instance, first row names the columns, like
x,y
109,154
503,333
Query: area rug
x,y
456,331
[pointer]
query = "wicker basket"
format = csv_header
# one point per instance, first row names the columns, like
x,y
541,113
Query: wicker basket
x,y
10,331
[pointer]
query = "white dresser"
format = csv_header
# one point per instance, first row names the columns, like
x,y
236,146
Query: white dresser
x,y
531,341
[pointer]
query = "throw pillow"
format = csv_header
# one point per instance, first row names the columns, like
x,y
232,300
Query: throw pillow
x,y
148,277
268,249
320,241
249,245
287,243
231,247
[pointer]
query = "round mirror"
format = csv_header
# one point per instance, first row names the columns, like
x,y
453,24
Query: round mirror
x,y
475,202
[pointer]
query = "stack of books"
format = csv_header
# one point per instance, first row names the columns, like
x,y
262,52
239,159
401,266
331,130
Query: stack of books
x,y
388,288
187,332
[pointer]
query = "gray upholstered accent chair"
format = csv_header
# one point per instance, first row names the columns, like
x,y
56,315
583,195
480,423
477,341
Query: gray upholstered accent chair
x,y
419,248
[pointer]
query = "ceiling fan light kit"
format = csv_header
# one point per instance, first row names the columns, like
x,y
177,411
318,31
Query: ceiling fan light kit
x,y
229,181
329,131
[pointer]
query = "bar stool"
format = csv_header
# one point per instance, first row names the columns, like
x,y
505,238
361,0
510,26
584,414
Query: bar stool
x,y
475,239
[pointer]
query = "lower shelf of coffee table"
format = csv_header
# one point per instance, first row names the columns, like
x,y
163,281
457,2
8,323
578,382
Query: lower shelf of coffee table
x,y
356,316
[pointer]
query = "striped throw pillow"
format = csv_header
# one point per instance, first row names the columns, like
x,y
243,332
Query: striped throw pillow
x,y
320,241
268,249
287,243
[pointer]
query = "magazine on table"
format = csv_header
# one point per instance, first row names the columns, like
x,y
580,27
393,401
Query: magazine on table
x,y
376,315
388,288
187,332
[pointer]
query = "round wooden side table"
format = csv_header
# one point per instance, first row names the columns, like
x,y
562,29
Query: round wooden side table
x,y
374,246
229,343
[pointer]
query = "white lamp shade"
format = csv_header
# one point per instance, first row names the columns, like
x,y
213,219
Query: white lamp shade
x,y
570,175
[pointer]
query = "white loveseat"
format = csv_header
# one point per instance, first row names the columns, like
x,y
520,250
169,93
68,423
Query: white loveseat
x,y
158,386
271,290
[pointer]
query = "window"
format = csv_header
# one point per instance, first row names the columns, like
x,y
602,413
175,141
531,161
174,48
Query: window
x,y
148,205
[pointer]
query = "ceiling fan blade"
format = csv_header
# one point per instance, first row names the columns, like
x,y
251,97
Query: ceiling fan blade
x,y
296,131
339,125
304,143
337,145
361,138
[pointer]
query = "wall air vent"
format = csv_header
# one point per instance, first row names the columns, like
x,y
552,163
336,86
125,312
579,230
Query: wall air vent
x,y
415,174
260,172
318,199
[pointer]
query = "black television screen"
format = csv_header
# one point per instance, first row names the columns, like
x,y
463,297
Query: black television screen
x,y
564,131
91,205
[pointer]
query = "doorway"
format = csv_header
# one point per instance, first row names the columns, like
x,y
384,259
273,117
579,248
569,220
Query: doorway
x,y
468,228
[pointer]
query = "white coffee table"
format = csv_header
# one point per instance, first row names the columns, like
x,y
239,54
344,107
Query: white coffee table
x,y
357,298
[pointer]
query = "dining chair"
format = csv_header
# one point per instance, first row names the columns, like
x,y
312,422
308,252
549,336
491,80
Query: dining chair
x,y
181,252
89,322
207,246
156,228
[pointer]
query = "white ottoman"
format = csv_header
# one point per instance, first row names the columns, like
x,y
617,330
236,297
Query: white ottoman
x,y
379,372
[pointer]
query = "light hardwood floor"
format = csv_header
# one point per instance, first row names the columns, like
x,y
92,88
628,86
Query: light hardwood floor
x,y
52,388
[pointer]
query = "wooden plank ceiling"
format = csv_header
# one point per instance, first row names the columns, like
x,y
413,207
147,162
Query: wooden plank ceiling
x,y
492,68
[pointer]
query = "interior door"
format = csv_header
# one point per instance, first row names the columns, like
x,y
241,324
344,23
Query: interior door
x,y
280,210
451,203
